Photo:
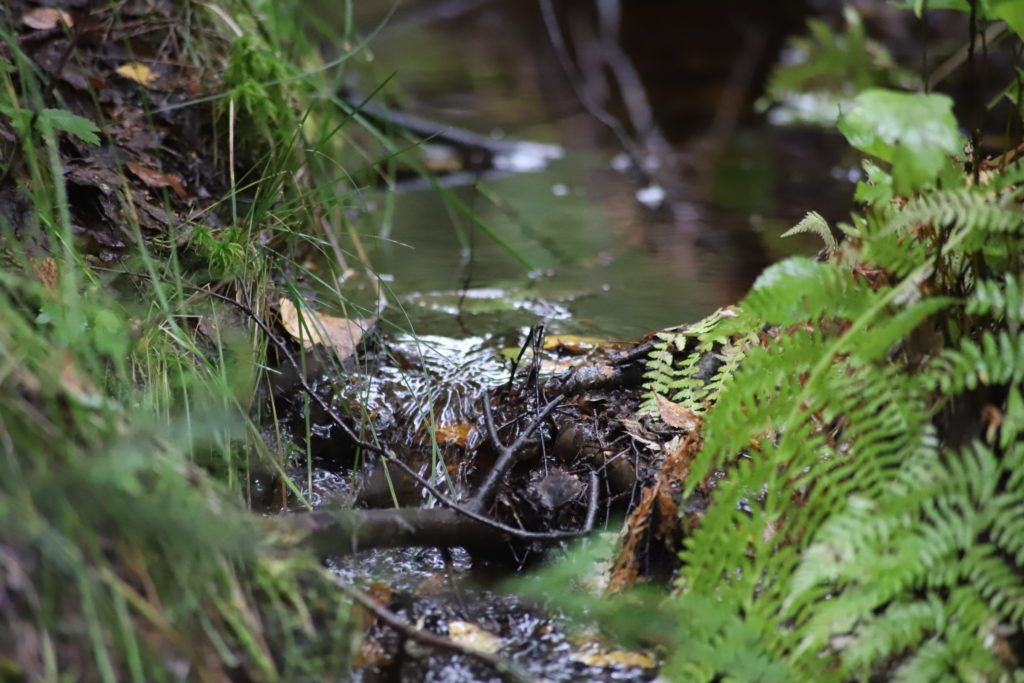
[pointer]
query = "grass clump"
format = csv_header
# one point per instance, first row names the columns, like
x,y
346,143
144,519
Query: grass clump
x,y
130,395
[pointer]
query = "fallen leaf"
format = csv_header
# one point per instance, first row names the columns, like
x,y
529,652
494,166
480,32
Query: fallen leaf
x,y
472,636
153,178
571,343
637,431
457,433
45,18
619,659
341,334
676,415
138,72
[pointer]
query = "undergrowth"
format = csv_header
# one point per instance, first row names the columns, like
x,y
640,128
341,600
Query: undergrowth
x,y
861,436
870,521
131,387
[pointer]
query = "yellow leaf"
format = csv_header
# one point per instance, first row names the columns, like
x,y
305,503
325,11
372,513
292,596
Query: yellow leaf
x,y
619,659
138,72
471,635
341,334
571,343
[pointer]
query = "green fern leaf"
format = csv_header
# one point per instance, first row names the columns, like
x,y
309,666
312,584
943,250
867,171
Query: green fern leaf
x,y
813,222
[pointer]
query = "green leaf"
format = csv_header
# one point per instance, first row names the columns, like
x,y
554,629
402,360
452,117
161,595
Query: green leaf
x,y
109,334
895,328
877,189
800,289
920,5
61,119
1010,11
917,134
19,118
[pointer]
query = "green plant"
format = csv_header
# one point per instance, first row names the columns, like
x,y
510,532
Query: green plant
x,y
871,438
126,433
821,72
863,451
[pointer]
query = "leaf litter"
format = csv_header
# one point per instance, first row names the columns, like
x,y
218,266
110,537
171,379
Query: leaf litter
x,y
134,150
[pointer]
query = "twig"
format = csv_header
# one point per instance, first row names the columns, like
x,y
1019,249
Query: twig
x,y
507,455
508,670
588,525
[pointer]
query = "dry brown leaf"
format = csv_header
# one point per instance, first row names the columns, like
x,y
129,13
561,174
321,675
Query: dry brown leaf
x,y
45,18
153,178
626,567
637,431
472,636
341,334
676,415
138,72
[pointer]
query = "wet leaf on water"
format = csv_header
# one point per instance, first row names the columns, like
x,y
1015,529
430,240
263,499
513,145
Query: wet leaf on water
x,y
138,72
153,178
571,343
676,415
341,334
45,18
472,636
457,434
618,659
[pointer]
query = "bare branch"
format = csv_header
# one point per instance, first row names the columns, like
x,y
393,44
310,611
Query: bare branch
x,y
506,669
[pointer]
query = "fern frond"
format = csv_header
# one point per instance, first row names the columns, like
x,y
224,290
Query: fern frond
x,y
758,399
922,535
959,654
964,207
683,379
801,289
899,627
1003,300
814,222
998,359
895,252
846,531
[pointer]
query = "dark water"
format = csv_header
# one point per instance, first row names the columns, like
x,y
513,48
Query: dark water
x,y
600,260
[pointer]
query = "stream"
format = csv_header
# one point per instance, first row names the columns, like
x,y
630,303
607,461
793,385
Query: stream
x,y
613,253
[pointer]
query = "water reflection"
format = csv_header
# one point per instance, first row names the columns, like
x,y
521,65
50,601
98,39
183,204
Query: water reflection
x,y
729,182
